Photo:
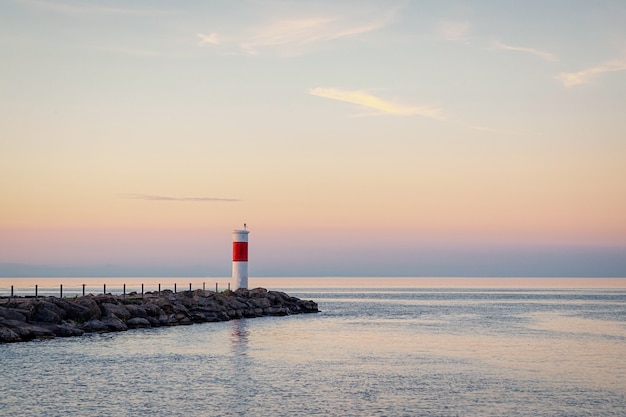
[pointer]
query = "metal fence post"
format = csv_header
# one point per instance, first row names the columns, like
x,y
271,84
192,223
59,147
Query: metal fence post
x,y
174,288
83,290
159,289
61,290
124,292
104,291
190,286
216,287
203,286
36,292
141,290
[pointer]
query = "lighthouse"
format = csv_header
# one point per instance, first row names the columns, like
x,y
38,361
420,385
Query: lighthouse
x,y
240,257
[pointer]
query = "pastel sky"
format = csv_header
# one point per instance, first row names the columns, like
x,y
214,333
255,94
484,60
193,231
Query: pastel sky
x,y
406,138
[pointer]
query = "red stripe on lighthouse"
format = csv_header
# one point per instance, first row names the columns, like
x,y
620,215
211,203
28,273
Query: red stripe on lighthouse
x,y
240,251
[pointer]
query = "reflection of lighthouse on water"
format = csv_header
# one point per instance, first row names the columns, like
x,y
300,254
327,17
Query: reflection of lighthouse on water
x,y
239,337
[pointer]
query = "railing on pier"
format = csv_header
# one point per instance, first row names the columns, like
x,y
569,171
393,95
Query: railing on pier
x,y
76,291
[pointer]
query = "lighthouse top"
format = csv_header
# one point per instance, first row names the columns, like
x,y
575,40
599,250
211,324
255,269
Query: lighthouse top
x,y
240,235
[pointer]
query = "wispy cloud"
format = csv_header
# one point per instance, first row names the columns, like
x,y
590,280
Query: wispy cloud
x,y
382,106
454,31
81,8
570,79
210,39
151,197
547,56
369,101
291,35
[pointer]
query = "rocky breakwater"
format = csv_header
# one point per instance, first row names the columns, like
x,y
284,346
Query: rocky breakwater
x,y
23,318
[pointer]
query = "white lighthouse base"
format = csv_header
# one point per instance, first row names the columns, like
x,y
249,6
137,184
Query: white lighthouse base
x,y
240,274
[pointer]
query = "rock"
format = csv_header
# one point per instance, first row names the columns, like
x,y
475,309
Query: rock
x,y
67,331
168,320
199,316
20,328
276,311
114,324
251,312
257,293
180,309
137,311
118,311
137,322
165,305
234,314
90,303
152,310
185,321
260,302
94,325
26,307
154,322
8,336
222,315
48,312
73,310
279,297
27,331
12,314
105,299
203,315
61,330
308,306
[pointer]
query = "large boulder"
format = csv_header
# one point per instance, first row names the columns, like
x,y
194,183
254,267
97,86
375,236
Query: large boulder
x,y
154,322
119,311
73,310
12,314
257,293
137,322
308,306
89,303
168,320
201,315
27,331
153,310
48,312
276,311
180,309
8,336
61,330
260,302
94,325
165,305
137,311
278,298
114,324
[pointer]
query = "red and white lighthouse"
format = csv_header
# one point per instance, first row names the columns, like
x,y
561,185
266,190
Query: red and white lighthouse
x,y
240,257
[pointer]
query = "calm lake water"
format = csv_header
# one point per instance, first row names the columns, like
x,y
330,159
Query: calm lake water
x,y
380,347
